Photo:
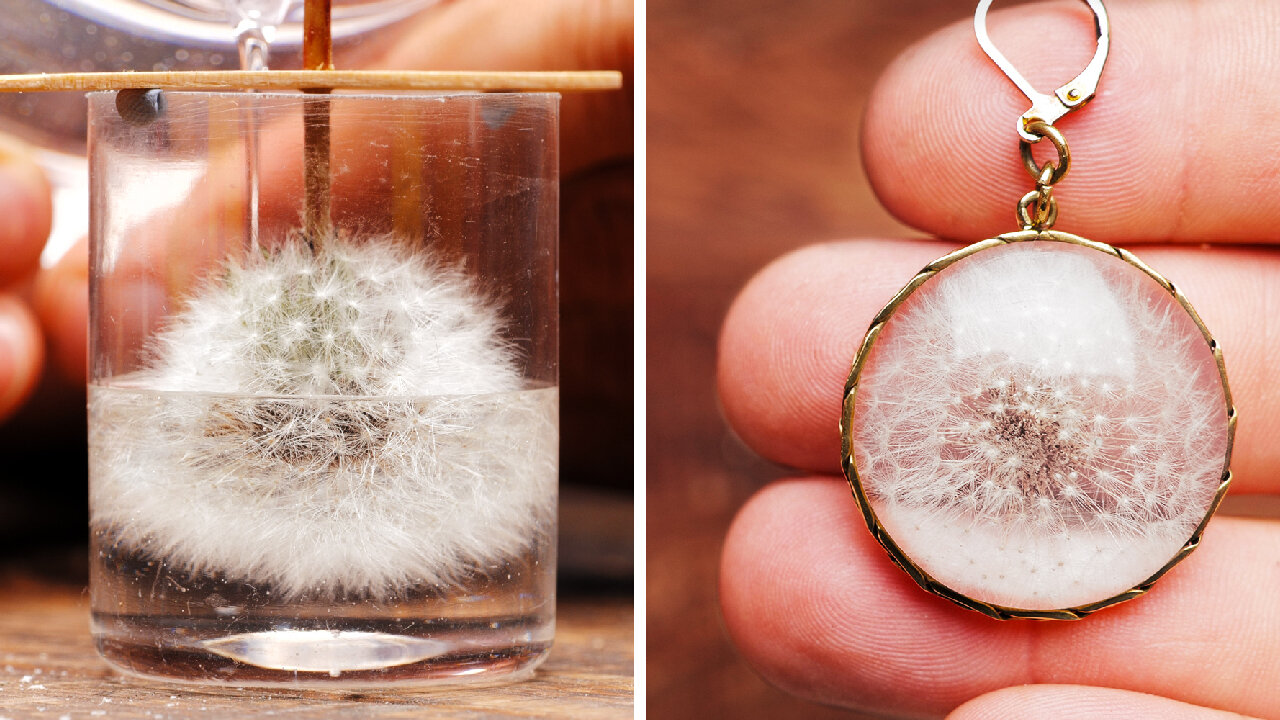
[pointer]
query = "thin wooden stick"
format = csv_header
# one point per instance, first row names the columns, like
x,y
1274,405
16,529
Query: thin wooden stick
x,y
305,79
316,179
317,42
317,54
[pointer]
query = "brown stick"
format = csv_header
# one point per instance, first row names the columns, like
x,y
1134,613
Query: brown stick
x,y
317,42
565,81
317,54
315,155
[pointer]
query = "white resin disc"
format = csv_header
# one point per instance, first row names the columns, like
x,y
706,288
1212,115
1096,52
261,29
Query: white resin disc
x,y
1040,426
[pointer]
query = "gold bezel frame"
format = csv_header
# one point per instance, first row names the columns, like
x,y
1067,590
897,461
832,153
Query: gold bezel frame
x,y
918,574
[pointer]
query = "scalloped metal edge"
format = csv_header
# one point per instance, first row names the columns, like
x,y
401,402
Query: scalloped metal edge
x,y
849,466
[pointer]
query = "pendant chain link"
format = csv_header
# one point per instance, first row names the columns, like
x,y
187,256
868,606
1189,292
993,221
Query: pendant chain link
x,y
1038,209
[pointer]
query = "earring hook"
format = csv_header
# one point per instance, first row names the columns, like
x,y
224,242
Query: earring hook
x,y
1077,92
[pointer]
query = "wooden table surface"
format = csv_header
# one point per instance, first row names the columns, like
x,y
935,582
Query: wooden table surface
x,y
49,669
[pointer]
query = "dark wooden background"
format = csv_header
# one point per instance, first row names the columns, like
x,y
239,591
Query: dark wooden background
x,y
754,109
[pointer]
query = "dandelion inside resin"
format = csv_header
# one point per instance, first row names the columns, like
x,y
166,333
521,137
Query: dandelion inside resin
x,y
344,421
1040,426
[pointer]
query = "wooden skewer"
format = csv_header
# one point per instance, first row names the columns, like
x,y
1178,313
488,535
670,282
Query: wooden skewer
x,y
317,55
306,79
317,43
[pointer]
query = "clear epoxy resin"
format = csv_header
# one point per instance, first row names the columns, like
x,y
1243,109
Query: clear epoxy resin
x,y
1039,426
331,467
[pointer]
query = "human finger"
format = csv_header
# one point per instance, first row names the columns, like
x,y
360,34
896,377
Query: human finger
x,y
554,35
816,606
1171,149
26,206
789,341
21,354
61,300
1072,702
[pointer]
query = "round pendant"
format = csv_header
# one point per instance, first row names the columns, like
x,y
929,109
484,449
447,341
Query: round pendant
x,y
1038,425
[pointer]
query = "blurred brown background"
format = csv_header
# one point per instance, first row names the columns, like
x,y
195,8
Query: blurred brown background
x,y
754,109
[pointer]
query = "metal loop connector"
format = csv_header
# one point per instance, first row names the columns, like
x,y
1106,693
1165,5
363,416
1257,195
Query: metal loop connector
x,y
1074,94
1038,210
1039,129
1045,180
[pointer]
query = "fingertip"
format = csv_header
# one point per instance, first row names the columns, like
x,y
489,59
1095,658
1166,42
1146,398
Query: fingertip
x,y
1077,702
21,354
758,590
756,553
559,35
790,337
61,299
939,139
818,609
941,148
769,377
27,208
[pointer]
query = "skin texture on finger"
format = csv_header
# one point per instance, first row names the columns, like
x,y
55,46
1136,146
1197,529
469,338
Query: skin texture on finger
x,y
21,354
26,208
790,338
1075,702
550,35
1177,145
816,606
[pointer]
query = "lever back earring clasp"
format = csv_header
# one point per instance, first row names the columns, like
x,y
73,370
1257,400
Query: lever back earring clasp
x,y
1074,94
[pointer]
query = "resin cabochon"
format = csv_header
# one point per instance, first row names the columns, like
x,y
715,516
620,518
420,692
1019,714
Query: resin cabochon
x,y
1040,426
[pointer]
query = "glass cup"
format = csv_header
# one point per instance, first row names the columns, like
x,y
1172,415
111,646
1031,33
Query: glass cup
x,y
323,406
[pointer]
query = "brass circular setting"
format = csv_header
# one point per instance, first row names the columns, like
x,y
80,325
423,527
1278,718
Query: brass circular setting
x,y
1211,481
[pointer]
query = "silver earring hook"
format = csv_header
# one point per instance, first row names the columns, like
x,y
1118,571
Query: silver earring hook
x,y
1071,96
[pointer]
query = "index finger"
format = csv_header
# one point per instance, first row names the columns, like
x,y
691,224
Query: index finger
x,y
1177,145
26,210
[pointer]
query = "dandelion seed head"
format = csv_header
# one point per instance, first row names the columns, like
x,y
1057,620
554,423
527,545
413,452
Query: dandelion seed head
x,y
1131,391
333,443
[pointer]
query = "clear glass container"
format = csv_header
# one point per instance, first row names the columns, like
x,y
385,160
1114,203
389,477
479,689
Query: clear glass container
x,y
323,440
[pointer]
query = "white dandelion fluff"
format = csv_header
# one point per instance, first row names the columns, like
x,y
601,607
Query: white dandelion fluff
x,y
345,420
1040,426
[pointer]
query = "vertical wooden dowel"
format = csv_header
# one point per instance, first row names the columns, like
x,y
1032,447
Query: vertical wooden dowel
x,y
317,41
316,168
317,54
